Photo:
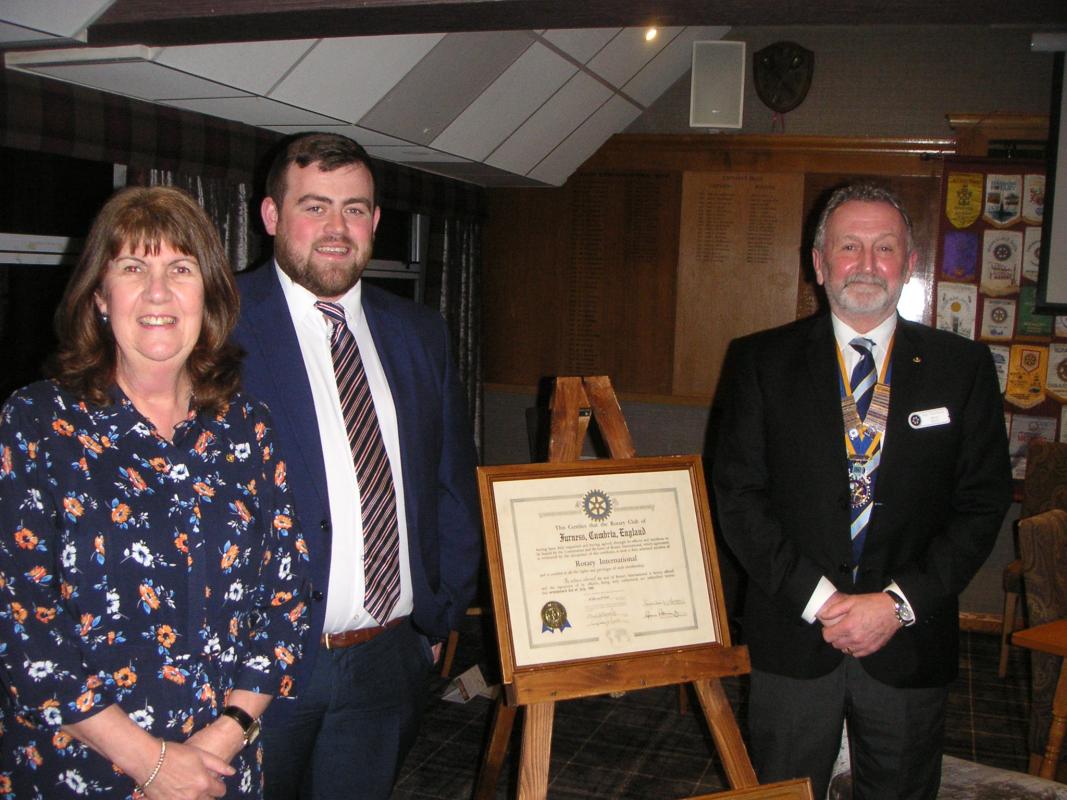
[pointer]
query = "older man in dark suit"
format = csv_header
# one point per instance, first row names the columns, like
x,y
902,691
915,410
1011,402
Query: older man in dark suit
x,y
381,460
861,477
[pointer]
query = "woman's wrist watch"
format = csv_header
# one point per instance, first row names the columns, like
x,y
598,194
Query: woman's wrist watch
x,y
249,725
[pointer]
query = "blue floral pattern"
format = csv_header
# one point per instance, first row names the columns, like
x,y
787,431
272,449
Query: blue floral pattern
x,y
152,574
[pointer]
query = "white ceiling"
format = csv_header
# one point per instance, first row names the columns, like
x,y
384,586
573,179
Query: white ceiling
x,y
493,108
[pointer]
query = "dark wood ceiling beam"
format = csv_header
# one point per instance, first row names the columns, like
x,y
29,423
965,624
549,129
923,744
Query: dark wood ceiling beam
x,y
166,22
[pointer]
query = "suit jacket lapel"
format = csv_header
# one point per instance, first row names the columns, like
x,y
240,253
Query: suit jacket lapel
x,y
908,369
822,365
276,336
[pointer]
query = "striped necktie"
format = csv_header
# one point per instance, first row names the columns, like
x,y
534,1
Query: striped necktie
x,y
377,495
864,377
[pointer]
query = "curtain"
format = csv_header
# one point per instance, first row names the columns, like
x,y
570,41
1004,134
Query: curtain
x,y
453,284
227,205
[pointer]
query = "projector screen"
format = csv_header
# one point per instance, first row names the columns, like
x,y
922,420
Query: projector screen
x,y
1052,280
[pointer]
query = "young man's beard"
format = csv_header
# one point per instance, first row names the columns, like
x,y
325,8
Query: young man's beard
x,y
326,280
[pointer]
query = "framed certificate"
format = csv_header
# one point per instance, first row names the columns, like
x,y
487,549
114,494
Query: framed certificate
x,y
592,562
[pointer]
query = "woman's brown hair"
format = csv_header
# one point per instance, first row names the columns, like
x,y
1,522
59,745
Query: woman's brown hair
x,y
143,219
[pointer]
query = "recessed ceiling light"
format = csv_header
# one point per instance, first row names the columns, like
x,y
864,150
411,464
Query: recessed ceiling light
x,y
651,34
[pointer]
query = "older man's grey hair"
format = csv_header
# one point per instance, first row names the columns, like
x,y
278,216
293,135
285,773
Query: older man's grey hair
x,y
868,193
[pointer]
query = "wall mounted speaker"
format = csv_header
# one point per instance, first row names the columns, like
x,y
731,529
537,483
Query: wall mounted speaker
x,y
717,88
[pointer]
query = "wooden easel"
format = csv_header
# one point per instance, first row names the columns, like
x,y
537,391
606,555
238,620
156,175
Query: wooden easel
x,y
574,402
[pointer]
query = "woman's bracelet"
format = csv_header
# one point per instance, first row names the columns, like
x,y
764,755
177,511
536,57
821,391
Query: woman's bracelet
x,y
159,765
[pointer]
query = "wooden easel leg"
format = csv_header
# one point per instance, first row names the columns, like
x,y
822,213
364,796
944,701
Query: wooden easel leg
x,y
727,735
489,774
536,751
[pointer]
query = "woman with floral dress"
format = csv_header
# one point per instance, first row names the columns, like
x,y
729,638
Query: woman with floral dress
x,y
152,598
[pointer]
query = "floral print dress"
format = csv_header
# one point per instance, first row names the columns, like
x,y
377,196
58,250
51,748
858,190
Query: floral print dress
x,y
152,574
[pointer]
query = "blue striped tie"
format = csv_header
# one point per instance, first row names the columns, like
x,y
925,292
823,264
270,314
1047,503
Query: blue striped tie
x,y
864,377
377,495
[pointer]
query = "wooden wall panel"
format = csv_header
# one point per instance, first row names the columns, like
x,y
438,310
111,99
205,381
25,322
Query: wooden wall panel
x,y
589,278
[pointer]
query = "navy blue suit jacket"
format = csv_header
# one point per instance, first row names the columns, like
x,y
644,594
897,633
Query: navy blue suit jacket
x,y
782,491
436,446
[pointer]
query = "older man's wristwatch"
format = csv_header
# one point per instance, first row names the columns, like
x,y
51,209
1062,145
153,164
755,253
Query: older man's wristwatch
x,y
249,725
905,616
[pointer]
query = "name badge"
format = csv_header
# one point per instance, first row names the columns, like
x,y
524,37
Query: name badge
x,y
930,418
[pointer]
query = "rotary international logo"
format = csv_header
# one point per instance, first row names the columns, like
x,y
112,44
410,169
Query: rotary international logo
x,y
596,505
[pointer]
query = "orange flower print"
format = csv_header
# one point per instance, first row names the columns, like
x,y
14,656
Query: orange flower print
x,y
5,785
187,725
120,513
83,465
172,673
39,575
279,473
207,694
31,755
233,627
18,613
134,477
159,464
203,489
301,546
45,614
181,541
31,450
282,522
285,686
62,427
266,454
73,507
93,681
66,590
295,612
85,701
284,655
251,487
203,441
242,511
149,597
99,548
165,635
6,464
25,538
90,444
261,431
125,677
88,622
281,598
60,741
229,556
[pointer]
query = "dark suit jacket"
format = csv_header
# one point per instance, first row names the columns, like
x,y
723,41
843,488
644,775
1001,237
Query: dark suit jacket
x,y
781,486
436,446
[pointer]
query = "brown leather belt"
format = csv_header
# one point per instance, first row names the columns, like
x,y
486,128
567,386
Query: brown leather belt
x,y
338,641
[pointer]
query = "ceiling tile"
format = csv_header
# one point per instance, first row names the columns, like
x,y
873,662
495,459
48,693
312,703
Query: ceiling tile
x,y
445,82
572,152
624,55
506,104
119,70
669,64
65,18
252,66
554,121
412,154
362,135
257,111
17,35
346,77
581,43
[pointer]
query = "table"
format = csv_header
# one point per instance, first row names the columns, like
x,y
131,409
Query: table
x,y
1050,638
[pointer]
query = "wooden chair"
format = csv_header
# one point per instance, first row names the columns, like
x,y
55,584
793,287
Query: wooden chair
x,y
1043,546
799,789
1044,487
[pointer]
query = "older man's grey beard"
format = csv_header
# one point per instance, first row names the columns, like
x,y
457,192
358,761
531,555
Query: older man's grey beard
x,y
866,280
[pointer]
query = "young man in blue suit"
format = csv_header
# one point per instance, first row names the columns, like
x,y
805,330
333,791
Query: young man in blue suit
x,y
861,477
367,406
